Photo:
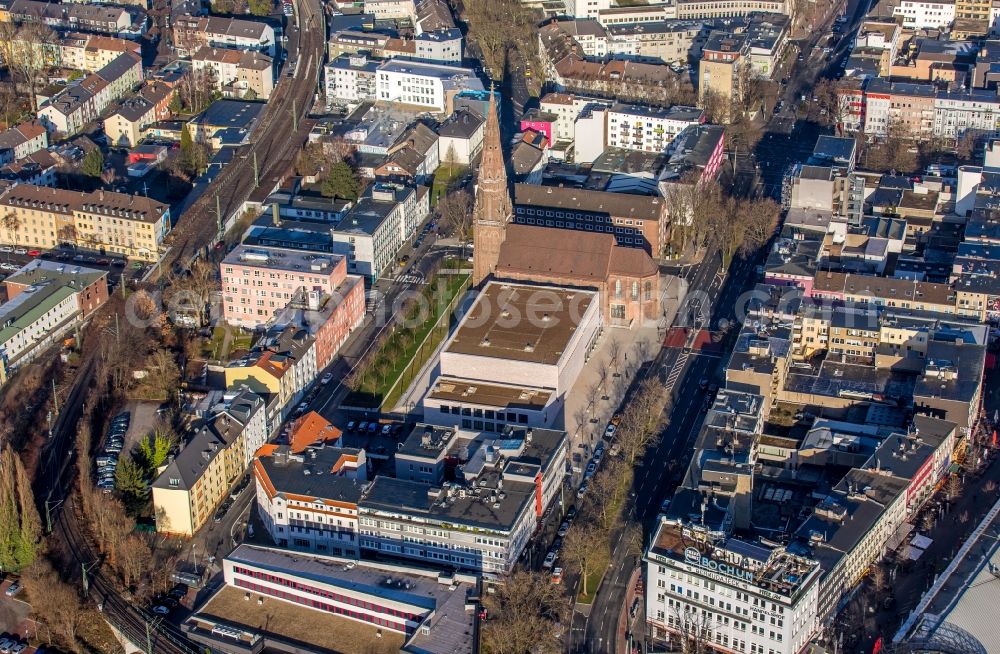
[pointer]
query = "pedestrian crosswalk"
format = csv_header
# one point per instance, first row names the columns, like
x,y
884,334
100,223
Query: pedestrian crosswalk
x,y
675,372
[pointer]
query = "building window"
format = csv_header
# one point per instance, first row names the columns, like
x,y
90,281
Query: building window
x,y
618,311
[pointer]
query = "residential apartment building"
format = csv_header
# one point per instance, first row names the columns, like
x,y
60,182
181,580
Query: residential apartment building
x,y
124,22
637,127
350,78
216,455
977,10
130,225
125,125
45,301
636,221
429,86
920,110
194,32
374,229
481,521
71,109
718,68
259,282
440,46
280,368
308,500
567,107
21,140
461,137
237,73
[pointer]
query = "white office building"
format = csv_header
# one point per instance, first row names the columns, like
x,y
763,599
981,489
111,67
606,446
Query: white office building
x,y
350,78
426,85
741,597
922,15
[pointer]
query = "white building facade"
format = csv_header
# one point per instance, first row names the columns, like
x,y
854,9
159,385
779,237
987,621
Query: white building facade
x,y
723,593
919,14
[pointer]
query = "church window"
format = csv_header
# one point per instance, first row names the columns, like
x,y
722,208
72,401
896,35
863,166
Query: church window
x,y
649,291
635,290
618,288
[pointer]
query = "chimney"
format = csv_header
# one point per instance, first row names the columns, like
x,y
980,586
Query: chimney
x,y
275,215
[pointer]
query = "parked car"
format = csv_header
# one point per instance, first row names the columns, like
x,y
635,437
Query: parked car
x,y
159,609
18,648
386,429
350,425
549,561
563,528
591,469
557,575
13,589
362,427
571,513
372,428
6,644
582,490
20,251
609,432
327,378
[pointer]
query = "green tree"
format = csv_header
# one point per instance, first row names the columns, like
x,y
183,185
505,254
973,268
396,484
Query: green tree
x,y
129,478
176,106
193,157
93,163
154,449
20,526
341,182
260,7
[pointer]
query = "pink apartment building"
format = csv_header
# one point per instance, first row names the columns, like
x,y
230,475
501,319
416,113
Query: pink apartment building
x,y
258,283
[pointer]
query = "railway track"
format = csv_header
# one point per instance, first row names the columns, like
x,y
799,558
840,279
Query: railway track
x,y
274,143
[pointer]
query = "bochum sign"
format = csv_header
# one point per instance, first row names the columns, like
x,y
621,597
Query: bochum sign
x,y
737,568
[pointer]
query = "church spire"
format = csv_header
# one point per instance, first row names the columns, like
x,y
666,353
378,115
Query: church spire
x,y
492,210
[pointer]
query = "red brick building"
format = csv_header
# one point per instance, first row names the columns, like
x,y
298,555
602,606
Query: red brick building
x,y
627,278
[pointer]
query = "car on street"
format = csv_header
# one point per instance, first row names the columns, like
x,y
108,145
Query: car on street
x,y
372,428
18,648
549,561
665,506
159,609
609,431
13,589
557,575
350,425
5,645
591,469
571,513
363,427
327,378
582,491
563,528
34,253
20,251
386,429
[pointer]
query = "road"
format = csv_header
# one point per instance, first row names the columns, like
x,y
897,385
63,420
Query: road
x,y
787,140
657,475
278,136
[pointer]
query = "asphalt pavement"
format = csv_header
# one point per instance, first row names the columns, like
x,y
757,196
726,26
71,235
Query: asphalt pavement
x,y
787,140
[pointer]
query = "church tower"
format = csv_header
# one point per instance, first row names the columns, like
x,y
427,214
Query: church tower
x,y
492,210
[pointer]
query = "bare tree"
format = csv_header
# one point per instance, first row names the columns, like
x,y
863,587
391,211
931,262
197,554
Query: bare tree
x,y
456,216
694,629
759,219
522,615
585,549
953,487
54,602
